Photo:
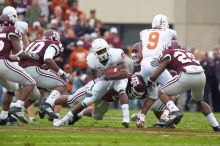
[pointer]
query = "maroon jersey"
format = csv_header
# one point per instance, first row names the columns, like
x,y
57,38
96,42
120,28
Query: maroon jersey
x,y
178,60
5,43
136,89
39,47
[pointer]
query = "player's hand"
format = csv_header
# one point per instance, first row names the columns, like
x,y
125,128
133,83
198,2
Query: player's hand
x,y
150,83
14,58
68,76
34,56
140,121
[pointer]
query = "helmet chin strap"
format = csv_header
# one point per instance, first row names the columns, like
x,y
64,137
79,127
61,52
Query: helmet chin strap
x,y
104,62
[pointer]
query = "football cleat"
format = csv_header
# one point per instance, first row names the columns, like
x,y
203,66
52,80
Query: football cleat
x,y
216,129
125,123
161,124
174,118
3,121
41,114
12,121
46,108
58,123
134,117
73,120
18,112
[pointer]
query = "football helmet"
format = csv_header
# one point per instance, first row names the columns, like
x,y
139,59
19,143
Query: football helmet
x,y
160,21
100,48
9,10
138,86
7,20
51,35
135,57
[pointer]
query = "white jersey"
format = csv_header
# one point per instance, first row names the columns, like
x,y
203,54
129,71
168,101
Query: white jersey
x,y
116,56
154,41
23,28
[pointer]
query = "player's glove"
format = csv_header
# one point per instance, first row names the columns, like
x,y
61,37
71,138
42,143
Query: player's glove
x,y
14,58
34,56
140,121
149,82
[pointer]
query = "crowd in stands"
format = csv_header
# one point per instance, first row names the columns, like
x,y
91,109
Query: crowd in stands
x,y
78,30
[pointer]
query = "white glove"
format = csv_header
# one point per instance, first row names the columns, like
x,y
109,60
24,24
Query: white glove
x,y
140,121
34,56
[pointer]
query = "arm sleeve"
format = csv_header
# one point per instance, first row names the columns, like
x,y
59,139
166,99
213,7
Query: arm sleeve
x,y
49,53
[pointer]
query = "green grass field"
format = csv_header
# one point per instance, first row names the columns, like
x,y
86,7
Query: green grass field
x,y
194,130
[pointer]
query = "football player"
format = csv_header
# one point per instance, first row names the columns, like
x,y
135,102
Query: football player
x,y
47,48
24,42
11,71
136,89
100,60
189,75
158,107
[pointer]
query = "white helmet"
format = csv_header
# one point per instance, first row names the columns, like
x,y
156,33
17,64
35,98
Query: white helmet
x,y
100,48
9,10
160,21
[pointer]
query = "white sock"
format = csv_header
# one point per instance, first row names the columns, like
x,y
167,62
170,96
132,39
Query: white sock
x,y
165,114
58,114
67,116
171,106
4,114
81,113
211,118
52,97
125,111
31,118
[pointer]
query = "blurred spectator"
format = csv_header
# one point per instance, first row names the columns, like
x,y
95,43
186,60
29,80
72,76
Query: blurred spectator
x,y
58,13
82,27
69,41
73,13
87,41
93,20
60,3
54,24
44,5
22,6
42,20
33,12
115,39
36,31
78,56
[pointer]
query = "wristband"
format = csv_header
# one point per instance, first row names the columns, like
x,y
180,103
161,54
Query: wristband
x,y
150,80
60,72
142,117
18,59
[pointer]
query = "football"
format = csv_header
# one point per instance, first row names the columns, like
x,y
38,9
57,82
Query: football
x,y
111,71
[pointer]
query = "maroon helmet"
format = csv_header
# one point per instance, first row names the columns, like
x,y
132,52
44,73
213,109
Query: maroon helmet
x,y
136,53
7,20
138,86
51,35
174,44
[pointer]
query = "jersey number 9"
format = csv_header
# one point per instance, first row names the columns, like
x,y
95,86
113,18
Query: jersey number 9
x,y
153,40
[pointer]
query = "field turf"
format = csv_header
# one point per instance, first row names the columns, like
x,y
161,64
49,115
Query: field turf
x,y
194,130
